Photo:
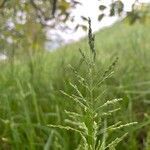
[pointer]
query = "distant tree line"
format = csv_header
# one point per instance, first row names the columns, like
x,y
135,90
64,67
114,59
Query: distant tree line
x,y
23,23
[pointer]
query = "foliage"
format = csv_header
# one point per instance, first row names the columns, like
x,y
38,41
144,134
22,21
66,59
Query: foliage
x,y
24,23
139,12
90,118
30,98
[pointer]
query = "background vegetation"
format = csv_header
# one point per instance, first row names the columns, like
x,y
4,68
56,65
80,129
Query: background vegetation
x,y
32,108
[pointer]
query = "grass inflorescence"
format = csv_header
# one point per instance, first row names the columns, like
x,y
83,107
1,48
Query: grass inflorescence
x,y
90,118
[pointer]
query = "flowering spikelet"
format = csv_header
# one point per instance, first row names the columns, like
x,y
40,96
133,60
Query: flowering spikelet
x,y
111,67
91,39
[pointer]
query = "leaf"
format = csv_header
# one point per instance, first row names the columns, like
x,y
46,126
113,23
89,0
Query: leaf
x,y
76,2
84,18
49,141
63,6
112,10
102,7
81,26
116,7
100,17
77,27
84,27
120,7
66,16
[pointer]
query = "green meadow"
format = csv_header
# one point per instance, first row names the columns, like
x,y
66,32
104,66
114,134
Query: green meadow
x,y
38,92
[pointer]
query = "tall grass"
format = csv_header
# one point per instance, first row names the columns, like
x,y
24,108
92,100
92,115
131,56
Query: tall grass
x,y
91,116
30,101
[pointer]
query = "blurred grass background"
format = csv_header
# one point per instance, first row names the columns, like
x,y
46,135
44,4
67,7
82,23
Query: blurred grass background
x,y
30,97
